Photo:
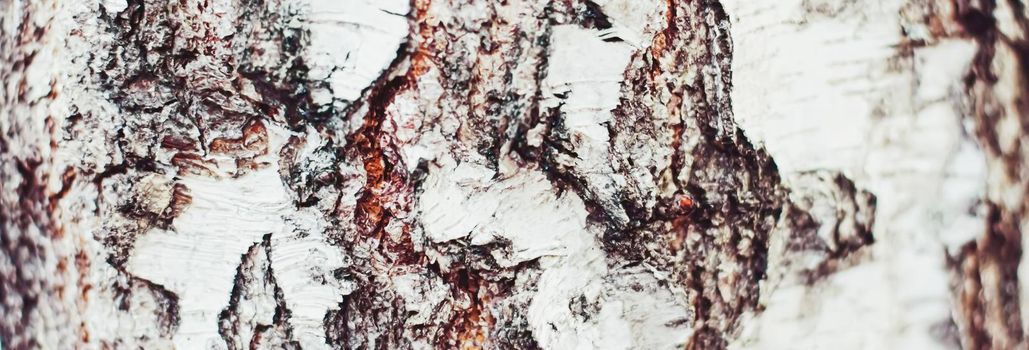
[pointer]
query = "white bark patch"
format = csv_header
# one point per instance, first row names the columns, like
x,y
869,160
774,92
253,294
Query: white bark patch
x,y
584,78
115,6
462,200
197,259
303,264
423,294
819,87
644,311
352,43
634,21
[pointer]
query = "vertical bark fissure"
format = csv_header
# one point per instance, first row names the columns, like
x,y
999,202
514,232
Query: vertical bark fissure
x,y
986,269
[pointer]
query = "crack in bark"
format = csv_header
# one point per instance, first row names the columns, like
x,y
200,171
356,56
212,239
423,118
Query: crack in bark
x,y
127,286
245,290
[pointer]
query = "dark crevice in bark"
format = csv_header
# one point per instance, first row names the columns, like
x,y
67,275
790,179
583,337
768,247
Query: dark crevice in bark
x,y
228,319
519,141
337,331
369,306
710,204
366,144
593,16
128,286
250,277
731,162
288,94
985,271
557,141
838,204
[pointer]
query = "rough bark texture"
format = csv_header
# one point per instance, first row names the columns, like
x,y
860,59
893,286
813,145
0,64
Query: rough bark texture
x,y
557,174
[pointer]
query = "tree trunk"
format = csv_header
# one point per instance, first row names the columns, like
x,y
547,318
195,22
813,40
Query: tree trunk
x,y
557,174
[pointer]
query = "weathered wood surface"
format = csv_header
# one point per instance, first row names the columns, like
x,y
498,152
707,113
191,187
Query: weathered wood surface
x,y
558,174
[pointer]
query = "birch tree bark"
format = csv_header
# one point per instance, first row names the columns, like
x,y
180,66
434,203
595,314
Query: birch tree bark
x,y
556,174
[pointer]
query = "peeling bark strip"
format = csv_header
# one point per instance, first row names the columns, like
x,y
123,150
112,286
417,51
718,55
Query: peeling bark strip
x,y
521,174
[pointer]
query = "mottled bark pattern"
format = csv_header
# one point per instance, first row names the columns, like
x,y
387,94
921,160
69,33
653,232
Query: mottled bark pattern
x,y
521,174
986,270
